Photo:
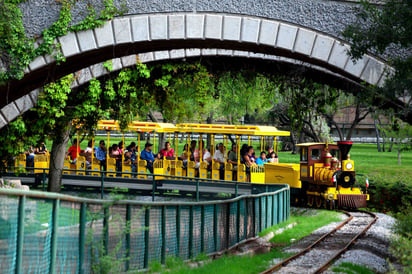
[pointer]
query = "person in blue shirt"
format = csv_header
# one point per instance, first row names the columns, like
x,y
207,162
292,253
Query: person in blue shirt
x,y
262,159
148,155
101,154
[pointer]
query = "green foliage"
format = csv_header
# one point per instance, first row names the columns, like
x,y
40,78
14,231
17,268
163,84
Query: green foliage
x,y
401,247
182,91
17,51
351,269
376,29
389,193
245,93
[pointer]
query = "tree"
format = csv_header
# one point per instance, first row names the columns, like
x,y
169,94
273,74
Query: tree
x,y
376,30
59,105
400,134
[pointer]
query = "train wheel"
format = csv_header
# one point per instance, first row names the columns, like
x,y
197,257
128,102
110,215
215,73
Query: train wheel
x,y
310,200
318,201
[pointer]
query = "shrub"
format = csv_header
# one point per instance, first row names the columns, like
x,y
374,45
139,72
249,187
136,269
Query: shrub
x,y
389,193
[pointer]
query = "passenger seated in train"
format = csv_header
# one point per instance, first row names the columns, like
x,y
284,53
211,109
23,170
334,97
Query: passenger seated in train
x,y
87,153
262,159
220,158
205,155
41,148
115,153
148,155
73,152
243,151
192,150
273,158
248,158
168,151
30,156
101,155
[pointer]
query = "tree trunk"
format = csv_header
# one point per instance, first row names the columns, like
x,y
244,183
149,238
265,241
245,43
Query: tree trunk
x,y
378,137
293,140
399,157
57,157
356,121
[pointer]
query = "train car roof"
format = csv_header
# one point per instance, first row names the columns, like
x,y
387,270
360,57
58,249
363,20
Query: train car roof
x,y
231,129
137,126
312,144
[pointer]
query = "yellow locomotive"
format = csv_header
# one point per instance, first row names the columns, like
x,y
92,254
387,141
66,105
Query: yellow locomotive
x,y
325,176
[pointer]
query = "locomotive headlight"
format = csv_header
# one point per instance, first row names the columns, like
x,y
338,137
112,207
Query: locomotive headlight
x,y
349,166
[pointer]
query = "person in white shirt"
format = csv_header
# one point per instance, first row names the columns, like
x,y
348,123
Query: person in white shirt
x,y
220,158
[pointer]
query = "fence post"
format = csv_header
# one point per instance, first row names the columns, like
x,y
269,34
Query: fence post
x,y
236,189
246,217
82,236
238,222
146,237
163,224
128,239
190,231
178,231
215,225
55,219
227,226
44,179
102,185
202,229
260,214
20,235
153,187
197,190
106,229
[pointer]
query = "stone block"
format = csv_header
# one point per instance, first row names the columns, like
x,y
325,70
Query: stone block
x,y
161,55
158,27
213,27
339,55
34,95
69,44
24,103
231,28
356,68
86,40
10,112
176,27
286,36
240,53
268,32
104,35
140,28
146,57
122,30
98,70
194,26
323,46
177,54
129,61
304,41
225,52
84,76
250,30
209,52
37,63
373,71
117,64
192,52
3,121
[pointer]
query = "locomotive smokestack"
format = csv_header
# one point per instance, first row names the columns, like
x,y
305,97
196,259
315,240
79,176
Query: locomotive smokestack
x,y
344,147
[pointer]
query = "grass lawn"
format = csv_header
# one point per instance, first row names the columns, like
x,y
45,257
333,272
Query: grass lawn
x,y
305,224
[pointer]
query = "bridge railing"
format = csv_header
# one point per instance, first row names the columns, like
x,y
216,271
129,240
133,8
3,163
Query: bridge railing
x,y
46,232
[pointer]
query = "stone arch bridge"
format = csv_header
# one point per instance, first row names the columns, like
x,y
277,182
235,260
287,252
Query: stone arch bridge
x,y
306,35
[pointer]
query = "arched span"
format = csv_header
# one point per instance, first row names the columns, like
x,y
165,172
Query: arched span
x,y
156,32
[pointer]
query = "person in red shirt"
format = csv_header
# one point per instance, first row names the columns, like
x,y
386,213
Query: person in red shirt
x,y
73,151
168,151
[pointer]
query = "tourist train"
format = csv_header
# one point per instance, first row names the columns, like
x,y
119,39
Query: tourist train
x,y
324,178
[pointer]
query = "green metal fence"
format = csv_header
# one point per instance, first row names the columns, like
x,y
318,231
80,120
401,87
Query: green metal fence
x,y
45,232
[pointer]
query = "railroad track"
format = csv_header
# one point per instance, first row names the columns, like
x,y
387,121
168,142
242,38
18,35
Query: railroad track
x,y
319,255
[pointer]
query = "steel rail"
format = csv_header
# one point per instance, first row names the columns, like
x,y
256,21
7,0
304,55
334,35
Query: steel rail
x,y
337,254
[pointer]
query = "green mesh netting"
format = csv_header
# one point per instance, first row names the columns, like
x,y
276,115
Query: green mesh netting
x,y
188,231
